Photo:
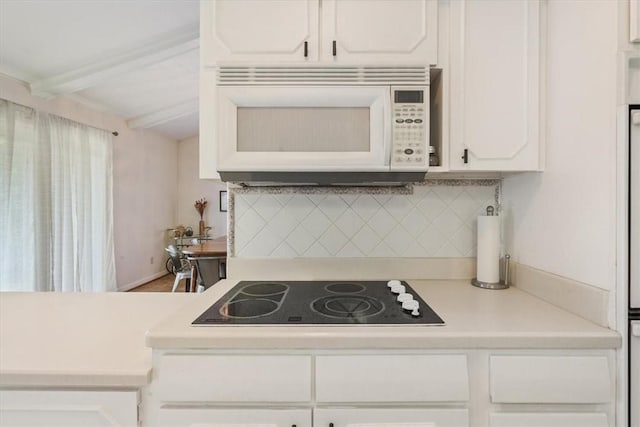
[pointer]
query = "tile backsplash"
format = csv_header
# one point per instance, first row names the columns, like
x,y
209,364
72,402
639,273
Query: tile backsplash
x,y
436,218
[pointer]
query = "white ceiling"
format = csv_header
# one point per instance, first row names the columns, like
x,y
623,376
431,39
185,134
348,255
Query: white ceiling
x,y
137,59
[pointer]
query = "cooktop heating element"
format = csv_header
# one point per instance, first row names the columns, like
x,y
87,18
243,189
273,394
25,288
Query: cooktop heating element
x,y
320,303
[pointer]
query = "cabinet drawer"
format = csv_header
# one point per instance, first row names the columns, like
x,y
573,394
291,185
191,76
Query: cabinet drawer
x,y
234,378
394,378
550,419
550,379
391,417
254,417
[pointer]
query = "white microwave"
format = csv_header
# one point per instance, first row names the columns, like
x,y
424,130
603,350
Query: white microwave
x,y
323,134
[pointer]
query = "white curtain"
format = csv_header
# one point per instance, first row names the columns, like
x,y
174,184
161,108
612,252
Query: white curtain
x,y
56,215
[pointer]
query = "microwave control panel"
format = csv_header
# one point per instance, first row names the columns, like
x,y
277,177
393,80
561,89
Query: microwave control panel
x,y
410,128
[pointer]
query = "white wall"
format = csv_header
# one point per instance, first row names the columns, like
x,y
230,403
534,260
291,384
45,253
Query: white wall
x,y
145,184
192,188
563,220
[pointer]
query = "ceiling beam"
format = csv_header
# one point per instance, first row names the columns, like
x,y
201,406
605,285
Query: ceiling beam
x,y
165,115
90,75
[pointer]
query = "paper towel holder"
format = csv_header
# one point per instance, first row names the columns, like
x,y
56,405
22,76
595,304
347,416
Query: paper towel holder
x,y
503,284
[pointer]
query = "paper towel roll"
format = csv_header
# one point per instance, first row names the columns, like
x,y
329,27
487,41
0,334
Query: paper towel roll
x,y
488,249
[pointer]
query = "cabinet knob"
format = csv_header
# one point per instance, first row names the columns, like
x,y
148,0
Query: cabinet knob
x,y
306,53
334,48
330,424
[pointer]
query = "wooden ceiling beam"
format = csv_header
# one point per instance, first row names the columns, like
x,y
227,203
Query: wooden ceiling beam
x,y
172,45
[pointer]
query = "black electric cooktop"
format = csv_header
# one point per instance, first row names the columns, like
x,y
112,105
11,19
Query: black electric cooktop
x,y
317,303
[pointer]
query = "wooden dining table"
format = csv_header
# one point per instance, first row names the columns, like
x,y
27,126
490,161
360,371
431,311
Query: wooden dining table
x,y
215,247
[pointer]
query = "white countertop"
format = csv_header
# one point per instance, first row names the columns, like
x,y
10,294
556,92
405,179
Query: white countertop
x,y
474,317
80,339
98,340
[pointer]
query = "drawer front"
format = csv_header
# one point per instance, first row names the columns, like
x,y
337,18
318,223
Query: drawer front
x,y
394,378
194,417
391,417
550,379
234,378
68,408
551,419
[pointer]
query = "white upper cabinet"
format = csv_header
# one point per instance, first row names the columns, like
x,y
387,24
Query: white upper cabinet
x,y
634,21
329,31
259,30
495,55
207,146
380,31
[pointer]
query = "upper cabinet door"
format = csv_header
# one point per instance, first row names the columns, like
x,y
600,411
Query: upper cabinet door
x,y
634,21
259,30
380,31
495,49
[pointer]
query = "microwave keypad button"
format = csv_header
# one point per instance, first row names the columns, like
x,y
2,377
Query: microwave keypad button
x,y
408,121
398,159
399,120
408,151
419,159
418,120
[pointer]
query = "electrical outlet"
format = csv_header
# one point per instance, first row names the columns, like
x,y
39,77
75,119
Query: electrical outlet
x,y
151,260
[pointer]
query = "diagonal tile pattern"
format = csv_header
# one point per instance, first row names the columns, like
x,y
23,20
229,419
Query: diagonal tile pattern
x,y
433,221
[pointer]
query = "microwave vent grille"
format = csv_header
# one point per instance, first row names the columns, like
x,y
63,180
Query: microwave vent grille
x,y
264,75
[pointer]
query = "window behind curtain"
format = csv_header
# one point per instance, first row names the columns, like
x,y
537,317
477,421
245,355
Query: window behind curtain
x,y
56,215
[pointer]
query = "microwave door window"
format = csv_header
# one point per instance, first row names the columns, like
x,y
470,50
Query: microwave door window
x,y
303,129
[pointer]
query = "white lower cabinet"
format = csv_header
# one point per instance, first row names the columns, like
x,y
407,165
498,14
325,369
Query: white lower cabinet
x,y
62,408
377,388
394,417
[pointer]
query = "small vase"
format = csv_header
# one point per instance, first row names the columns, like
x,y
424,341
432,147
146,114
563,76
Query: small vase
x,y
201,228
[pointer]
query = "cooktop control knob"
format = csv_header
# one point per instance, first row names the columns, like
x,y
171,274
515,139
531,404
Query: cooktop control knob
x,y
392,283
398,289
404,297
412,306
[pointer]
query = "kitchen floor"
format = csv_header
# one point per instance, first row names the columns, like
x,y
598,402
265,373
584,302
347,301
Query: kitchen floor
x,y
163,284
